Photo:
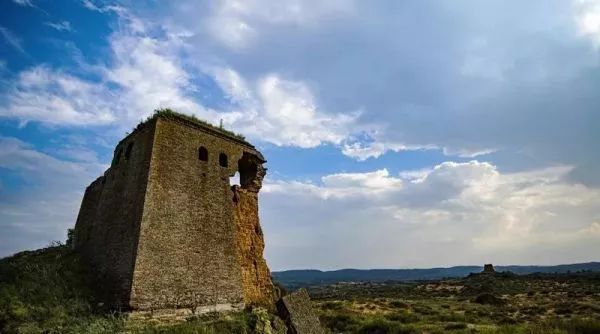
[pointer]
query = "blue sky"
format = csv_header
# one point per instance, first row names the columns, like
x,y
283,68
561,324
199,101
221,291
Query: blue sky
x,y
397,134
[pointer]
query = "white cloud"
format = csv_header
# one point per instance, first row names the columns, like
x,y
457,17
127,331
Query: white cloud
x,y
363,152
359,182
60,26
235,23
235,87
588,18
467,153
149,70
12,39
46,203
150,76
280,111
147,73
291,116
21,157
376,148
504,77
141,78
593,229
91,5
50,96
454,213
25,3
296,72
342,185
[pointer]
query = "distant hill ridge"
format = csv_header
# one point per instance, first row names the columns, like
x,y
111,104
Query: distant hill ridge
x,y
295,278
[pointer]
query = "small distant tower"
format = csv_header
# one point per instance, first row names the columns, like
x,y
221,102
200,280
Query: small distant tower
x,y
488,268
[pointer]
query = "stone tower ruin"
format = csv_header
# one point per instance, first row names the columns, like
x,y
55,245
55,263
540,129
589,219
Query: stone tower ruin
x,y
164,229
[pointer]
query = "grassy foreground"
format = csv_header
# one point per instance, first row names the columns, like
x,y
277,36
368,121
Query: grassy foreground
x,y
49,291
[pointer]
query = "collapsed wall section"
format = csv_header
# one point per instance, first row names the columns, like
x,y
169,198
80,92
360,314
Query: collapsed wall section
x,y
256,277
107,227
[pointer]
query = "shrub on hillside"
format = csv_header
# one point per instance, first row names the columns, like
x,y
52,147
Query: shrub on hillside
x,y
340,323
380,326
488,299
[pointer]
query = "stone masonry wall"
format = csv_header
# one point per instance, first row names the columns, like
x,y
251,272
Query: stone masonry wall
x,y
187,255
164,229
107,228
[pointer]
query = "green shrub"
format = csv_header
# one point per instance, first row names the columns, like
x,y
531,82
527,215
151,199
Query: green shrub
x,y
335,305
580,326
489,299
424,309
171,114
455,326
399,304
564,308
340,322
380,326
452,317
403,317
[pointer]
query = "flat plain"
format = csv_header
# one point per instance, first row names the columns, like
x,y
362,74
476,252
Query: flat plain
x,y
479,303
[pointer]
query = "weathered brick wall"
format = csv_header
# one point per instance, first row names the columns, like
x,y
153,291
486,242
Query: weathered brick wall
x,y
107,228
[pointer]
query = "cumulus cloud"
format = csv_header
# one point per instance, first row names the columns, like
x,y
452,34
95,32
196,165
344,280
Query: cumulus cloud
x,y
280,111
467,213
332,76
149,76
468,78
140,78
51,96
146,72
343,185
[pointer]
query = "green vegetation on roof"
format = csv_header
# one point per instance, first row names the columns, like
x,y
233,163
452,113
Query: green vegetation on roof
x,y
171,114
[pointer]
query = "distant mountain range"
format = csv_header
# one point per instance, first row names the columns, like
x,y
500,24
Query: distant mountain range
x,y
297,278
